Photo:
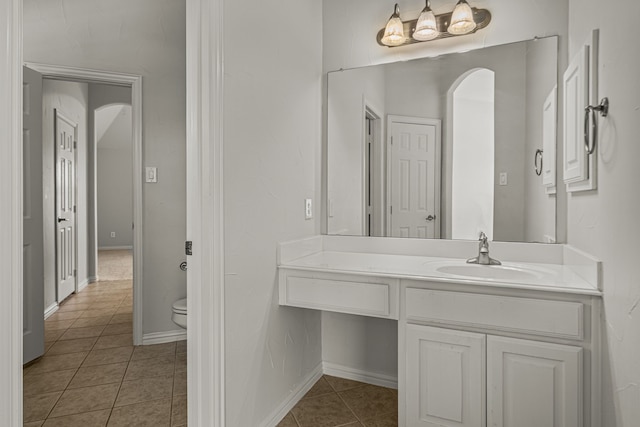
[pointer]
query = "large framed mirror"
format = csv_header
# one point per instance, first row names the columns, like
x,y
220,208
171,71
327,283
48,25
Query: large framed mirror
x,y
445,147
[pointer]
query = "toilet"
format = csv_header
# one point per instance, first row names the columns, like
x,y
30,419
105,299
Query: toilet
x,y
179,315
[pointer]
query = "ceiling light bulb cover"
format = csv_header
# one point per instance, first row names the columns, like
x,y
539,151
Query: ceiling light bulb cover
x,y
426,27
462,19
394,31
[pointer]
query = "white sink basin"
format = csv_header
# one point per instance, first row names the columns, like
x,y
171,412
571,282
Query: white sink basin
x,y
495,272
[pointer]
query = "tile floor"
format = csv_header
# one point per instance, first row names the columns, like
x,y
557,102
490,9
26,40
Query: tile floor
x,y
334,402
92,375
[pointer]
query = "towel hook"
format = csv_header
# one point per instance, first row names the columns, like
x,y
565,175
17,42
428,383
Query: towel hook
x,y
538,168
603,109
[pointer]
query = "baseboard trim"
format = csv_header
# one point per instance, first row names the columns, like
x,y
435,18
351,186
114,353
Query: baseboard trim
x,y
163,337
50,310
114,248
293,398
374,378
83,284
93,279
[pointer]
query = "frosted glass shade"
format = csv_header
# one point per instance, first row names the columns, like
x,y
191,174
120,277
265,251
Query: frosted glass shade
x,y
462,19
426,27
394,31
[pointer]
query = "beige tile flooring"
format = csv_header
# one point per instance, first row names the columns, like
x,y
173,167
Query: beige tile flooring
x,y
92,375
334,402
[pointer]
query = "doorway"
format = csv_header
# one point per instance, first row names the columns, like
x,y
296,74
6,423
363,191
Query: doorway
x,y
204,70
374,174
472,161
114,186
108,89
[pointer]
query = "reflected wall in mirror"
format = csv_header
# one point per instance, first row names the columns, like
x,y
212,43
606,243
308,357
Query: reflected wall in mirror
x,y
442,147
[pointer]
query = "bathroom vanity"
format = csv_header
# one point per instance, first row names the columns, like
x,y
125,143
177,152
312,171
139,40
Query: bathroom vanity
x,y
511,345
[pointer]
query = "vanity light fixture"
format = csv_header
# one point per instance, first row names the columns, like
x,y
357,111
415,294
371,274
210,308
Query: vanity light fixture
x,y
394,31
426,27
463,20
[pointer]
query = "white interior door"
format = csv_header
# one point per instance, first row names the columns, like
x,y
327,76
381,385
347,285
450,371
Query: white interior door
x,y
414,180
65,138
33,257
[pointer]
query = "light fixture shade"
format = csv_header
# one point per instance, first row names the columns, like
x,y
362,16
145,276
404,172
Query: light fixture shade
x,y
426,27
394,31
462,19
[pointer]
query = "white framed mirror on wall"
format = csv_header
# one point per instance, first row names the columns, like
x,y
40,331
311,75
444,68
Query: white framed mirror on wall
x,y
443,147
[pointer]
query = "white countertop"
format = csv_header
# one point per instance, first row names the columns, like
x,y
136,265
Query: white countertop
x,y
535,276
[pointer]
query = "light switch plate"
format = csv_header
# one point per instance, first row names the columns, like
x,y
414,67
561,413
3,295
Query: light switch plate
x,y
503,178
308,208
151,174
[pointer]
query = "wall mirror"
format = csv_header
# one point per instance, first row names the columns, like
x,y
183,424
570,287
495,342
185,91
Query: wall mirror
x,y
445,147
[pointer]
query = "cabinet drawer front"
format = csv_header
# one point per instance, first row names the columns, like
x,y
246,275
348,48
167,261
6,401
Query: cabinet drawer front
x,y
524,315
343,296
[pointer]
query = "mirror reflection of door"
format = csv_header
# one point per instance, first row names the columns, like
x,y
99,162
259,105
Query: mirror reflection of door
x,y
414,170
472,198
374,189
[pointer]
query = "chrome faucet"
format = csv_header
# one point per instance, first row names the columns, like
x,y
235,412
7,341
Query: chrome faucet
x,y
483,257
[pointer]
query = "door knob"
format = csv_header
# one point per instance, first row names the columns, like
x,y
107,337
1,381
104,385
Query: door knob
x,y
62,219
430,218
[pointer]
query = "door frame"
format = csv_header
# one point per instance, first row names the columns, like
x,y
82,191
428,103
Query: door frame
x,y
205,283
135,83
391,119
373,178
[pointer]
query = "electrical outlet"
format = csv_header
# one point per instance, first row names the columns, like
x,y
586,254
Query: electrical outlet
x,y
503,178
308,208
113,234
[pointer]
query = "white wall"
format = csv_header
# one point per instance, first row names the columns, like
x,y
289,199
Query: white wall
x,y
115,174
356,47
349,93
71,99
605,222
272,101
145,37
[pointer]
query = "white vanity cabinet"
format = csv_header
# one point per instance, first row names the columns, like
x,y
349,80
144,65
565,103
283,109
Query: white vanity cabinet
x,y
516,345
533,384
445,377
528,383
497,358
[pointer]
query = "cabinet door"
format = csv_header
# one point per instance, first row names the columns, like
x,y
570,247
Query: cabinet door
x,y
445,378
549,118
576,95
533,384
